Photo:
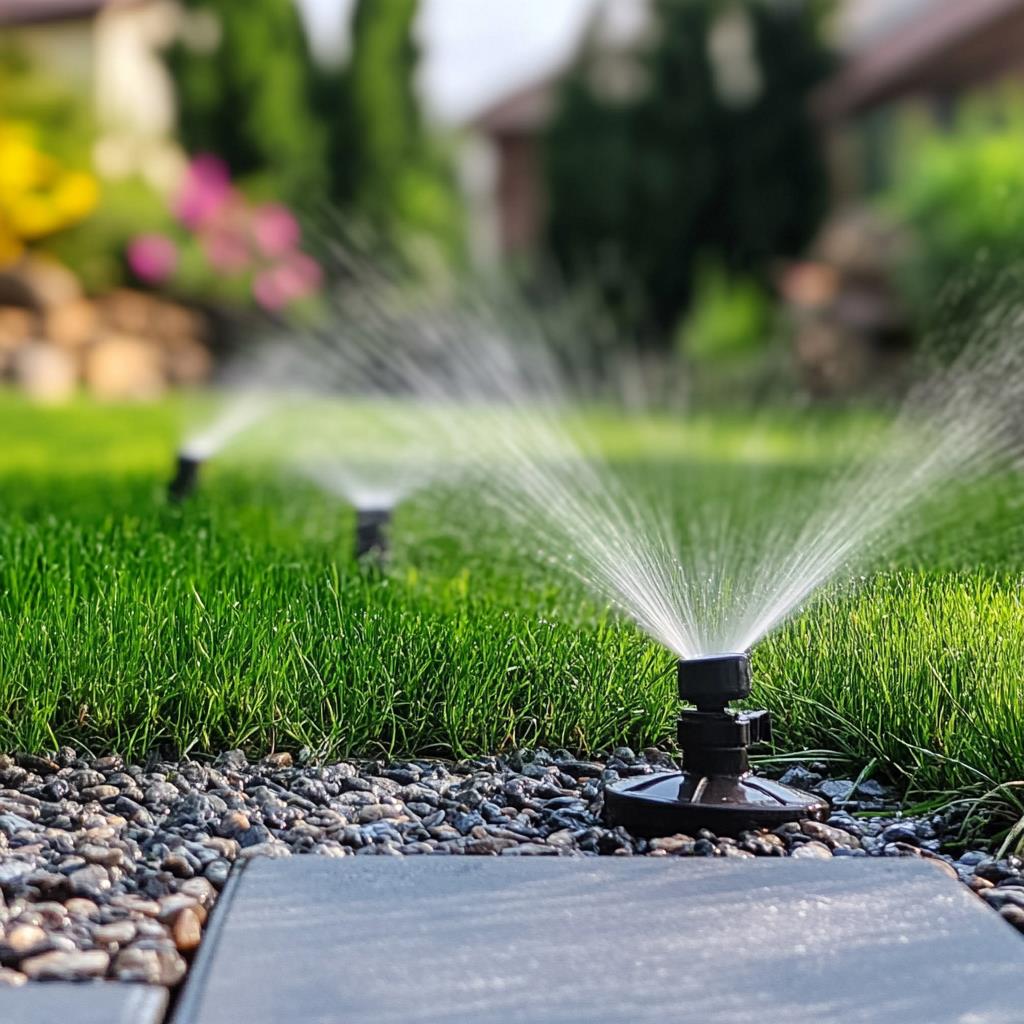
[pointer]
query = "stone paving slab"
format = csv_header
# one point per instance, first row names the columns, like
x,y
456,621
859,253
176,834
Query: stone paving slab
x,y
97,1002
432,940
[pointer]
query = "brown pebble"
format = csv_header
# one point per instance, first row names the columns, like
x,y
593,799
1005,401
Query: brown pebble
x,y
152,966
11,978
78,906
979,884
279,760
226,848
178,865
135,904
186,931
118,933
100,792
673,844
26,939
234,821
66,965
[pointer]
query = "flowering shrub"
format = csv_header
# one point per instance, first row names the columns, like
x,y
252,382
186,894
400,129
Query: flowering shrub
x,y
252,249
38,195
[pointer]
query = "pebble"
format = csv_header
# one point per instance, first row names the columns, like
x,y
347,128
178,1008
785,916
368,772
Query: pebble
x,y
187,930
831,836
673,844
151,966
117,933
811,849
70,965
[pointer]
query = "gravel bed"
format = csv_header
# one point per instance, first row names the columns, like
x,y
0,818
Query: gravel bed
x,y
109,869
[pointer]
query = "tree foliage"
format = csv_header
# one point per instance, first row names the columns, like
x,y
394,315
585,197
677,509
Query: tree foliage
x,y
385,165
681,171
247,94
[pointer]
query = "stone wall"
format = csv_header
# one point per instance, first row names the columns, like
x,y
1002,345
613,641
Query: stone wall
x,y
126,345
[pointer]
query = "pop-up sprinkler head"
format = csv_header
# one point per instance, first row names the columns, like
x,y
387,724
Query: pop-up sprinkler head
x,y
372,532
715,789
186,476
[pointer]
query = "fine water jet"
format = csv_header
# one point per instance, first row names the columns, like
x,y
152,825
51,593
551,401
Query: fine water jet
x,y
715,789
713,574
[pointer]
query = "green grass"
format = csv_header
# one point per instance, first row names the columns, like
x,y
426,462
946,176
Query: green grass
x,y
240,620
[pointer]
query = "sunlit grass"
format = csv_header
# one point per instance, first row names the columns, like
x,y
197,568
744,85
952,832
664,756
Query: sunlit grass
x,y
239,618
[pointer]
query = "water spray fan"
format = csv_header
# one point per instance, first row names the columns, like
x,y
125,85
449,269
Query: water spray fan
x,y
715,789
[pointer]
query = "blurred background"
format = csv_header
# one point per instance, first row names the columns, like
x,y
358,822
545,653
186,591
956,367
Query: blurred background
x,y
775,195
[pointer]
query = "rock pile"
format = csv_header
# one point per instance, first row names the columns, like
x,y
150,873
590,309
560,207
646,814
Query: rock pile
x,y
125,345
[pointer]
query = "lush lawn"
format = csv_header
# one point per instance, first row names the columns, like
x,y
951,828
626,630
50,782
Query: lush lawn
x,y
240,620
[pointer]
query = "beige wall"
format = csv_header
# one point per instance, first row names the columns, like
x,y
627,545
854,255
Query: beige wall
x,y
114,58
134,94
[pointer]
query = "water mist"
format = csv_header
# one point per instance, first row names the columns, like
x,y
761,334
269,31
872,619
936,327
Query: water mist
x,y
706,584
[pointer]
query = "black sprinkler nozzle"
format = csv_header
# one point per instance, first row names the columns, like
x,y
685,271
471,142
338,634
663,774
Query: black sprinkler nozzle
x,y
186,477
713,682
715,789
372,532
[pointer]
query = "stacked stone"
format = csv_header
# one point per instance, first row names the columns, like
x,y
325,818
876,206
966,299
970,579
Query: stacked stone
x,y
125,345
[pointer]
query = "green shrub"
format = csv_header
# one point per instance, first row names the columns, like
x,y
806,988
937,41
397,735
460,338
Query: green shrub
x,y
730,319
645,183
961,192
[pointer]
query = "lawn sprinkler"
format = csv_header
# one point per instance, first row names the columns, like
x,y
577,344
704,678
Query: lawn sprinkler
x,y
372,532
715,789
186,477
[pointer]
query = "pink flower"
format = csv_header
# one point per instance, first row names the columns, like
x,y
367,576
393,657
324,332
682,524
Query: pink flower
x,y
302,273
226,250
275,229
267,291
295,278
153,258
205,191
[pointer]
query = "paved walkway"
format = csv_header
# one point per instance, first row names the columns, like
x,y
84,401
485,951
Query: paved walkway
x,y
101,1002
439,940
444,940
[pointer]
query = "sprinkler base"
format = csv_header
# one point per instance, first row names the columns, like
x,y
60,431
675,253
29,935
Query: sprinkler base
x,y
669,803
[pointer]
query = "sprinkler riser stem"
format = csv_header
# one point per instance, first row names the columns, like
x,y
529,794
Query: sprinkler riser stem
x,y
186,477
372,532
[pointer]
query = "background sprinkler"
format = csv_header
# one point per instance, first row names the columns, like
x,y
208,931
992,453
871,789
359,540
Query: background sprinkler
x,y
715,789
186,476
372,532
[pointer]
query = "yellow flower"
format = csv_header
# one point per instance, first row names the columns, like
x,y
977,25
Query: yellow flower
x,y
37,195
34,216
76,195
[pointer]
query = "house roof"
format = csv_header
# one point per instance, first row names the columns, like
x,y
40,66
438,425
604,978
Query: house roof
x,y
523,112
946,46
28,12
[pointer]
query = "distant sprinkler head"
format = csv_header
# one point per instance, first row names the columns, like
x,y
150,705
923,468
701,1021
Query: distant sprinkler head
x,y
186,477
372,532
715,789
